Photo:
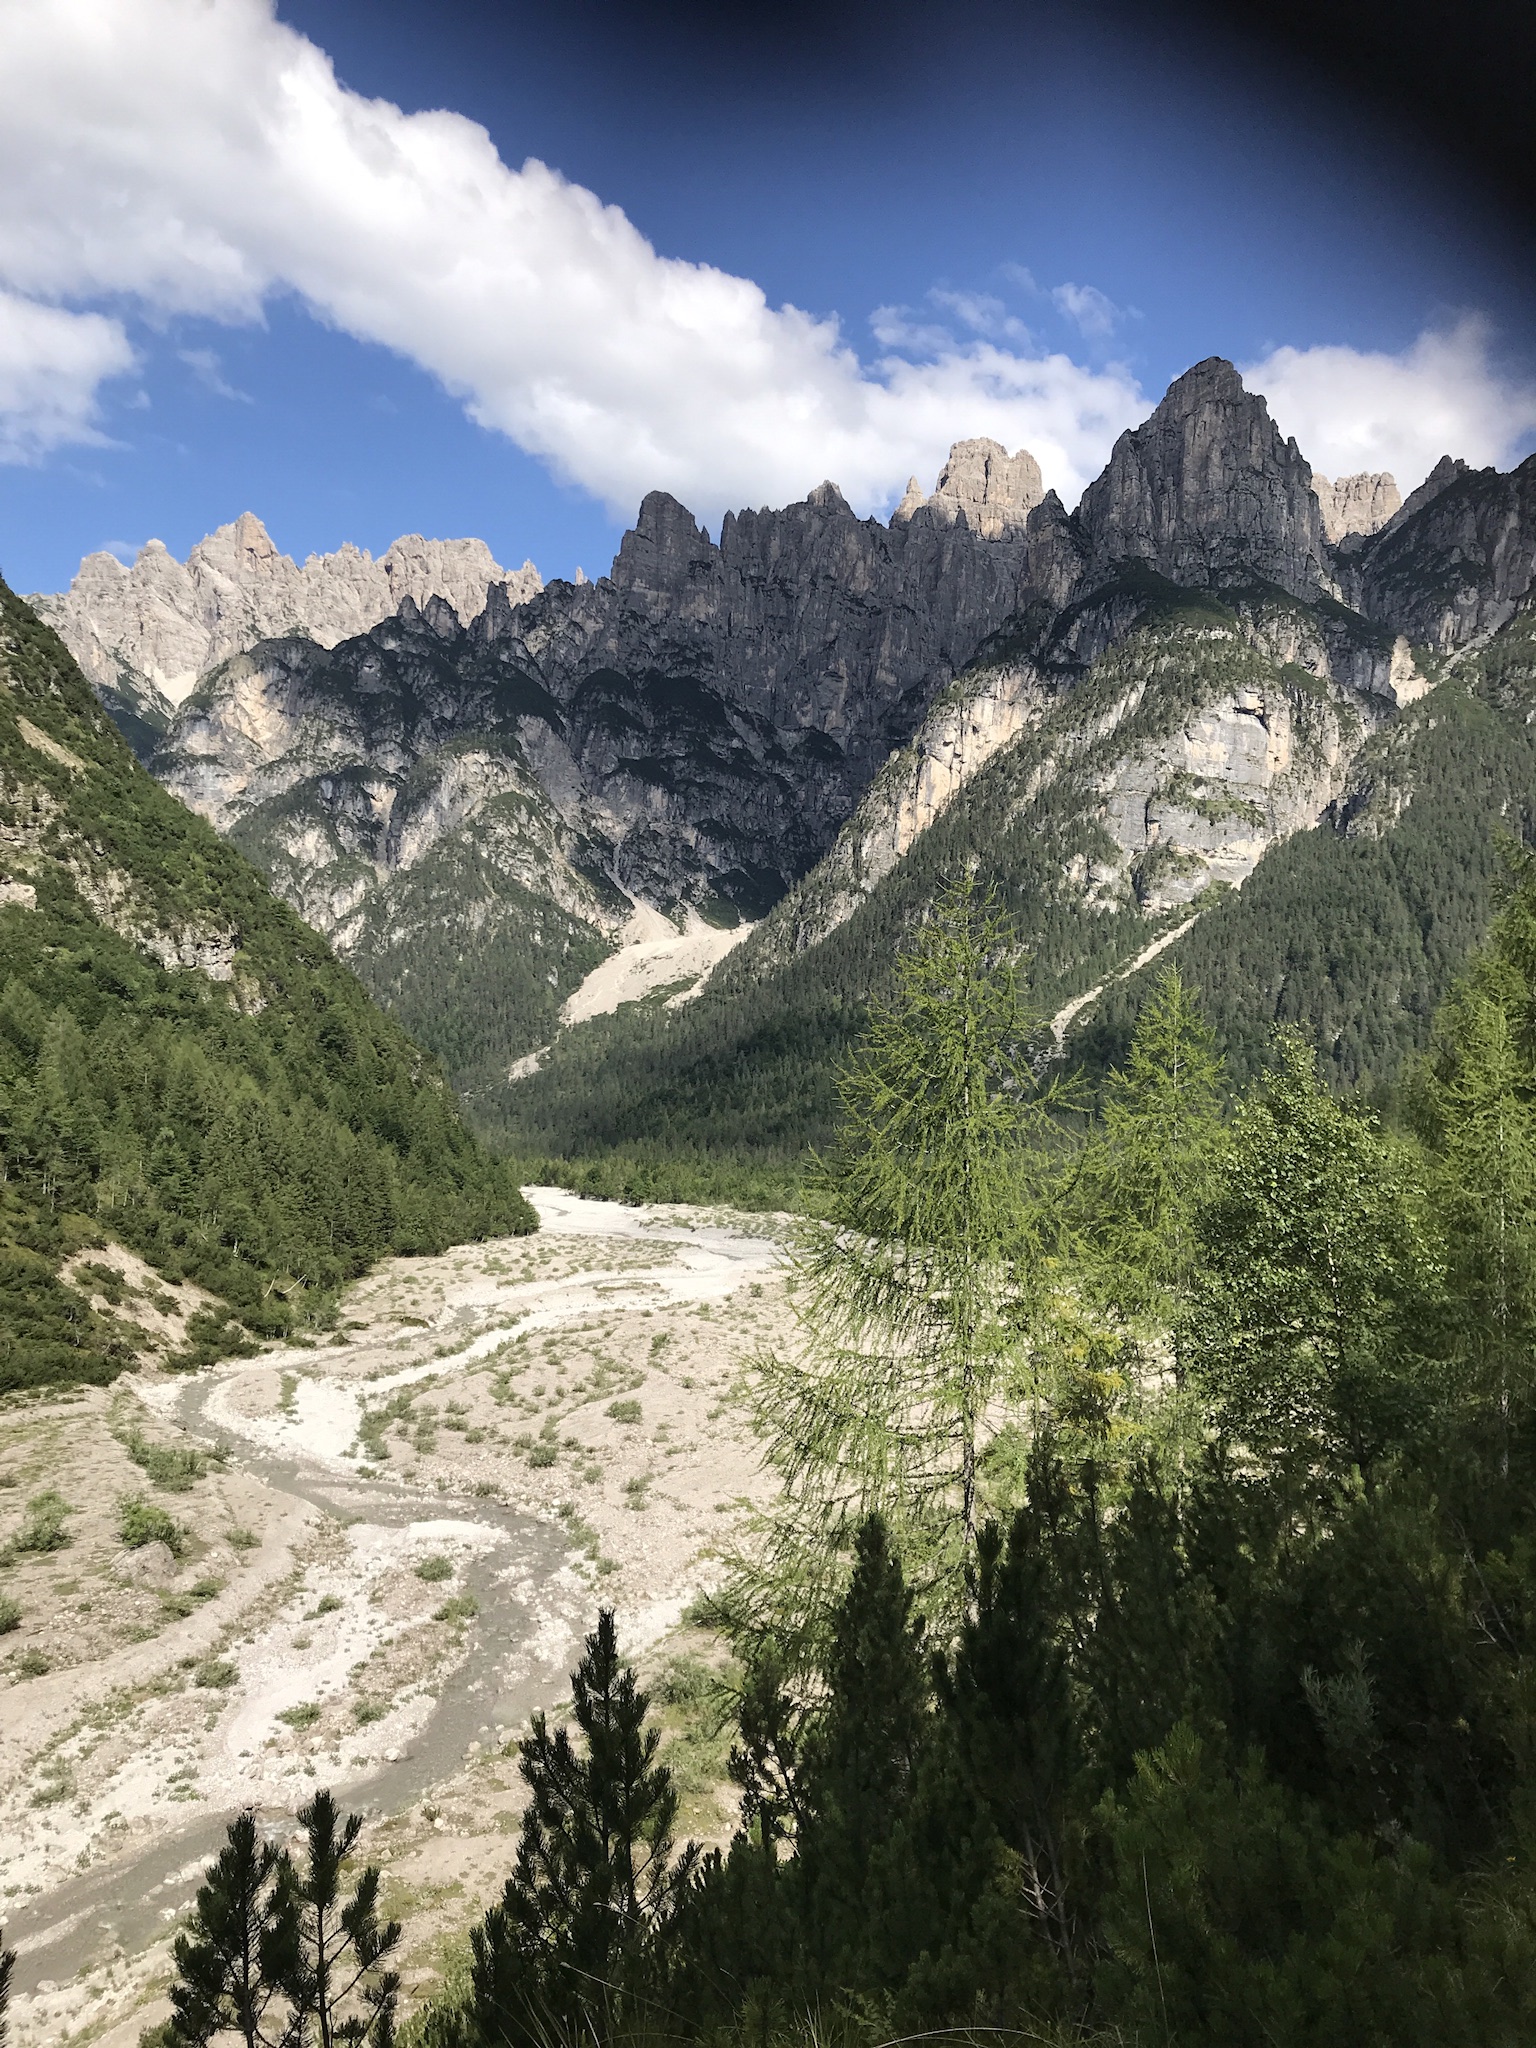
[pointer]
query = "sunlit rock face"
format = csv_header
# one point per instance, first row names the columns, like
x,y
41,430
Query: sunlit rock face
x,y
1359,504
166,623
992,491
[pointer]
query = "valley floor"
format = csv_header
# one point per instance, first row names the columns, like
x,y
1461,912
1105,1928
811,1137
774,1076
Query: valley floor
x,y
412,1526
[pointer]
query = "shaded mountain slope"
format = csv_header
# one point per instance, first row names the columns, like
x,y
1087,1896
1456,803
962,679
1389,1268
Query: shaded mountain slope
x,y
1187,725
183,1064
469,813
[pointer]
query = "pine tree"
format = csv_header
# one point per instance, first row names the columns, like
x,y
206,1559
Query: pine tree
x,y
596,1888
340,1989
241,1948
915,1288
1301,1332
1140,1179
1008,1696
862,1756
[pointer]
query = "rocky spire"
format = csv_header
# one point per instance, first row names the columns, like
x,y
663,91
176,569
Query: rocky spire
x,y
665,543
1360,504
1207,491
992,491
1448,470
911,498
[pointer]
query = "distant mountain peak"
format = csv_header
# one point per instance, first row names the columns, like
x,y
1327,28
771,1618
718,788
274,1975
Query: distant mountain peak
x,y
1360,504
167,623
992,491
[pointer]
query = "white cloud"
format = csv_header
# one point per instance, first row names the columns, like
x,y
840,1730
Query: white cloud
x,y
198,156
51,363
982,314
206,367
1088,309
1353,409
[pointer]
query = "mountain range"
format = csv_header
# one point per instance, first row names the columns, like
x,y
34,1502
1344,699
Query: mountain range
x,y
1219,669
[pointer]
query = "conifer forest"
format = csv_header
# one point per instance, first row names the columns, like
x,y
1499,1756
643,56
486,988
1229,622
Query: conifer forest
x,y
1139,1647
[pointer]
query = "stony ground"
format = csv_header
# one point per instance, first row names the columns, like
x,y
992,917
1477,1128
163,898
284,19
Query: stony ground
x,y
197,1632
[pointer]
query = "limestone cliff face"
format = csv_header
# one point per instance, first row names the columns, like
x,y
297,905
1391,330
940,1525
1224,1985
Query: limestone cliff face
x,y
1136,698
1191,748
707,714
992,491
1457,560
1206,493
166,622
1359,504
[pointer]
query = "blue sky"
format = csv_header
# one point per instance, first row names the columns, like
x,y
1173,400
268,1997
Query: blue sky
x,y
967,204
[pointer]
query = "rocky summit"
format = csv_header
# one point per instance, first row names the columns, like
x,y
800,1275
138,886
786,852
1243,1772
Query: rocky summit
x,y
798,723
145,634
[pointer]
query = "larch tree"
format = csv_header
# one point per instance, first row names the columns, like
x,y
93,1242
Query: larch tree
x,y
1476,1095
1147,1165
915,1287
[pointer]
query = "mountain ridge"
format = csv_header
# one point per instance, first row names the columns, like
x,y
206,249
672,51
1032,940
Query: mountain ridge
x,y
144,635
774,725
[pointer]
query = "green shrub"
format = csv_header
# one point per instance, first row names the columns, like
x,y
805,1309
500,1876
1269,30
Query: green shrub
x,y
139,1522
686,1682
30,1664
43,1530
242,1539
304,1715
434,1570
624,1411
216,1673
326,1604
364,1711
463,1607
10,1614
174,1467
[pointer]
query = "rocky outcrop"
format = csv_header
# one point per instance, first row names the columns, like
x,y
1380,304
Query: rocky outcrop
x,y
1359,504
992,491
1207,493
707,714
1456,562
152,630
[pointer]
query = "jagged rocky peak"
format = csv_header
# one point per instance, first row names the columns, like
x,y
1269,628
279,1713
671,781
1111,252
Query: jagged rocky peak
x,y
1207,491
665,543
170,622
1447,471
1360,504
992,491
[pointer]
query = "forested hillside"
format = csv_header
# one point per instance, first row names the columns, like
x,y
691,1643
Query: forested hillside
x,y
1351,932
1354,933
1136,1646
184,1066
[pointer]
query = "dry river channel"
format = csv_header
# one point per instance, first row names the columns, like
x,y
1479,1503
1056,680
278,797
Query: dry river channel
x,y
513,1663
